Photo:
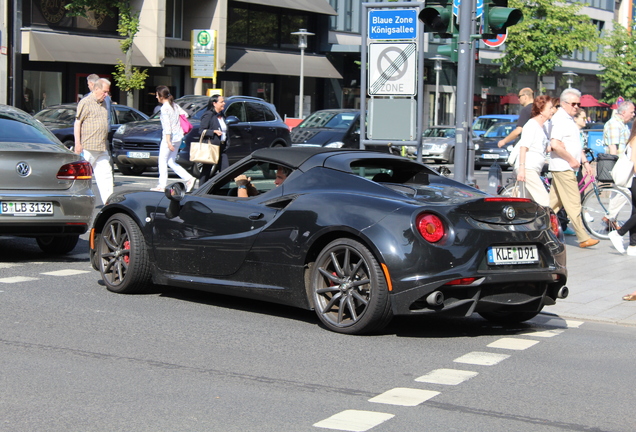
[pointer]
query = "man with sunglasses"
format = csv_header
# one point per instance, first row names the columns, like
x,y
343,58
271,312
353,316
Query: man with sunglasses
x,y
565,161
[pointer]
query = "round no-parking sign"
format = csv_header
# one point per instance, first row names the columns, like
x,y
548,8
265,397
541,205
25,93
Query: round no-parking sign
x,y
499,40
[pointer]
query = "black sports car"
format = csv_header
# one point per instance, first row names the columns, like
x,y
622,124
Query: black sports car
x,y
357,236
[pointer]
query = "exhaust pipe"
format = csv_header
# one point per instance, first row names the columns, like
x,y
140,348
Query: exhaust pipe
x,y
563,292
435,299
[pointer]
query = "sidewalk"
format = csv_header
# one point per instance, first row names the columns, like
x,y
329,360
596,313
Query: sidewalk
x,y
598,278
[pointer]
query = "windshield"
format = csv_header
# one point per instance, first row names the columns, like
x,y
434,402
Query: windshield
x,y
329,120
483,124
500,130
57,115
439,133
14,129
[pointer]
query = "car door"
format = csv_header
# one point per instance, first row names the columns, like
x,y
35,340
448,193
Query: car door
x,y
210,235
262,121
240,134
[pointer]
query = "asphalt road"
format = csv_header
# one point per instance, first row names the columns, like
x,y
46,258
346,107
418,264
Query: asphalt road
x,y
75,357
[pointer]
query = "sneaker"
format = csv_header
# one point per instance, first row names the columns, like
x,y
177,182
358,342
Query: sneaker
x,y
588,217
617,241
631,250
569,231
588,243
190,184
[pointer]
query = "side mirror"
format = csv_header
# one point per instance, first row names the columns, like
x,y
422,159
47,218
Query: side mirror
x,y
232,120
175,193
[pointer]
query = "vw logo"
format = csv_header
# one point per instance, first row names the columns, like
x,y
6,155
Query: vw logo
x,y
509,212
23,169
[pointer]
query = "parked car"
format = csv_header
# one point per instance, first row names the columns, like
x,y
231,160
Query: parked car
x,y
438,143
336,128
252,124
483,123
60,119
356,236
486,150
45,188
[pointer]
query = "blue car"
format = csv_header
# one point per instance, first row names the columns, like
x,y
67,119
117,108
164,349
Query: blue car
x,y
483,123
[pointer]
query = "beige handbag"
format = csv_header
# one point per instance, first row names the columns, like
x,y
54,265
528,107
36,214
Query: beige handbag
x,y
204,151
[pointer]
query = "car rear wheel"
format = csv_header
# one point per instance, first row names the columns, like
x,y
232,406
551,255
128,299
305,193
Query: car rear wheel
x,y
349,289
133,170
122,256
57,245
70,144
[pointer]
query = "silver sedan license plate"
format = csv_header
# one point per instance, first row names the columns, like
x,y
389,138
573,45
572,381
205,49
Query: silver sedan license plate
x,y
26,208
500,255
138,155
490,156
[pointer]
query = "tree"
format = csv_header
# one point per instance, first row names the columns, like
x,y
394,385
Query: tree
x,y
619,60
549,31
127,77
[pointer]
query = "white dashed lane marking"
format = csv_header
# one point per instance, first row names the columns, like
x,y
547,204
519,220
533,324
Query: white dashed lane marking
x,y
513,344
9,265
69,272
447,376
544,333
481,358
354,420
404,396
17,279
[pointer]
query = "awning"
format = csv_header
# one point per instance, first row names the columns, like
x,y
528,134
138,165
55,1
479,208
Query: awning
x,y
316,6
278,63
588,101
58,47
510,98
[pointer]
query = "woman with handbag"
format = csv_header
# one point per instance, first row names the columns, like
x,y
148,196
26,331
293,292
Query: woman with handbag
x,y
630,225
213,126
172,134
532,149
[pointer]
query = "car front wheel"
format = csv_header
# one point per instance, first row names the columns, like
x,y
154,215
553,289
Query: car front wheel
x,y
349,289
122,256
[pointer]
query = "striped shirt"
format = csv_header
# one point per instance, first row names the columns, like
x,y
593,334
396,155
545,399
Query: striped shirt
x,y
93,118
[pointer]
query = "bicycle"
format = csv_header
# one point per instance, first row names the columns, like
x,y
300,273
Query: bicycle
x,y
604,207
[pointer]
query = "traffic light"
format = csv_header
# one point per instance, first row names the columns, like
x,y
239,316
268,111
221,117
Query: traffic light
x,y
437,17
449,50
498,17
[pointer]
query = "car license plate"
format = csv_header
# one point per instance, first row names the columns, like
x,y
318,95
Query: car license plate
x,y
490,156
500,255
26,208
138,155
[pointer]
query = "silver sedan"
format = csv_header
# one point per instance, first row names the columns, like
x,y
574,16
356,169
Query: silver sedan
x,y
45,189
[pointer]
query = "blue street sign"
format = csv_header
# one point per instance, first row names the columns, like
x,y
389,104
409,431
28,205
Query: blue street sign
x,y
479,8
393,24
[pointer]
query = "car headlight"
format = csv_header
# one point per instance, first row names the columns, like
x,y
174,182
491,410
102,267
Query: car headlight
x,y
121,129
440,147
510,147
335,144
476,146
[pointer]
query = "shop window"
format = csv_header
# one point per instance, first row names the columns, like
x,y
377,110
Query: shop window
x,y
41,89
174,19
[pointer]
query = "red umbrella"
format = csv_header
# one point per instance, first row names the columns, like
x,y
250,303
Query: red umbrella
x,y
590,101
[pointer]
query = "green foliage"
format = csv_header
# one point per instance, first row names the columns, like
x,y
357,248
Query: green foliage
x,y
129,78
619,60
549,30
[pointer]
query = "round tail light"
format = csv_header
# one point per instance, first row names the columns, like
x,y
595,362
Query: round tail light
x,y
554,224
430,227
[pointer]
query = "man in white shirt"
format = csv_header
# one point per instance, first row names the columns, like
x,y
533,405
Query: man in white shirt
x,y
566,156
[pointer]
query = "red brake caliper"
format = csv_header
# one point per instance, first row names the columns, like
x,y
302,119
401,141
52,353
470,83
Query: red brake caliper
x,y
127,256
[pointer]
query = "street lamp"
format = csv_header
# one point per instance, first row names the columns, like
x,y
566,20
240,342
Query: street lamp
x,y
302,44
570,74
438,68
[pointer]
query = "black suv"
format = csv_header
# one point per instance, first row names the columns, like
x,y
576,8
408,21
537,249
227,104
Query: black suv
x,y
136,145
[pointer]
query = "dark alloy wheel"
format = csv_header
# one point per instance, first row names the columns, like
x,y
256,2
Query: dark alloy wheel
x,y
57,245
122,256
349,289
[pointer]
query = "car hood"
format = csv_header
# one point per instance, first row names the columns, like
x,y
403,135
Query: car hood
x,y
488,142
319,136
56,125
